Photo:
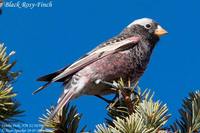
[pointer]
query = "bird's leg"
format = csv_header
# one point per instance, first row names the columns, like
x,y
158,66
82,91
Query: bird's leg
x,y
114,88
99,81
122,92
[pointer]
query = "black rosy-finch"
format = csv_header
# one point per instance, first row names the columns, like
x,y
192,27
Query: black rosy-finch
x,y
124,56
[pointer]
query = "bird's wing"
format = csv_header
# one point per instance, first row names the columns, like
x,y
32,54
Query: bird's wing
x,y
50,76
66,73
98,54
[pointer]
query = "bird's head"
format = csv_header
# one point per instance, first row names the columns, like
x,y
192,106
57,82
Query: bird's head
x,y
146,25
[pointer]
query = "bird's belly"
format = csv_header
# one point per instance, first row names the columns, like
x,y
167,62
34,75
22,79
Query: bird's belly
x,y
110,68
113,67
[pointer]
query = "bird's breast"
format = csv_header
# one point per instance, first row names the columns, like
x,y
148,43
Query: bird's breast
x,y
112,68
118,65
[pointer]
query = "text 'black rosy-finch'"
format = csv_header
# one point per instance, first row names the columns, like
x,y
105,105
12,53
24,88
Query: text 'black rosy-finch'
x,y
123,56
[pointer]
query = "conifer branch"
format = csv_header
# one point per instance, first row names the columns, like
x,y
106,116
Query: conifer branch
x,y
9,107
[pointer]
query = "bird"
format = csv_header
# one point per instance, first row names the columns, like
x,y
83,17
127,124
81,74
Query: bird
x,y
125,56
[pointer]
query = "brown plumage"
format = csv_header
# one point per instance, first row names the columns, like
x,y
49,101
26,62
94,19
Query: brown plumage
x,y
123,56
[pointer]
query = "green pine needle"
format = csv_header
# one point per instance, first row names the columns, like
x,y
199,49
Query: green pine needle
x,y
9,108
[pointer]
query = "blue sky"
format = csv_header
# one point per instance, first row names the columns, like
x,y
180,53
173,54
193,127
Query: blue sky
x,y
46,39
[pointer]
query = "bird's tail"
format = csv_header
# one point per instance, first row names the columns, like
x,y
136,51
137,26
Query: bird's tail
x,y
49,79
71,91
63,100
42,87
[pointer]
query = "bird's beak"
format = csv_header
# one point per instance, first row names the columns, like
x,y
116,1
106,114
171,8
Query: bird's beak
x,y
160,31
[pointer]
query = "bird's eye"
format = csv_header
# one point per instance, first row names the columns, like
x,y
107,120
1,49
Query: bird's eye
x,y
148,26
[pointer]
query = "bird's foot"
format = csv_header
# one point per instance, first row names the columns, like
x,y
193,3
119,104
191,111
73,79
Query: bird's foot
x,y
112,85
